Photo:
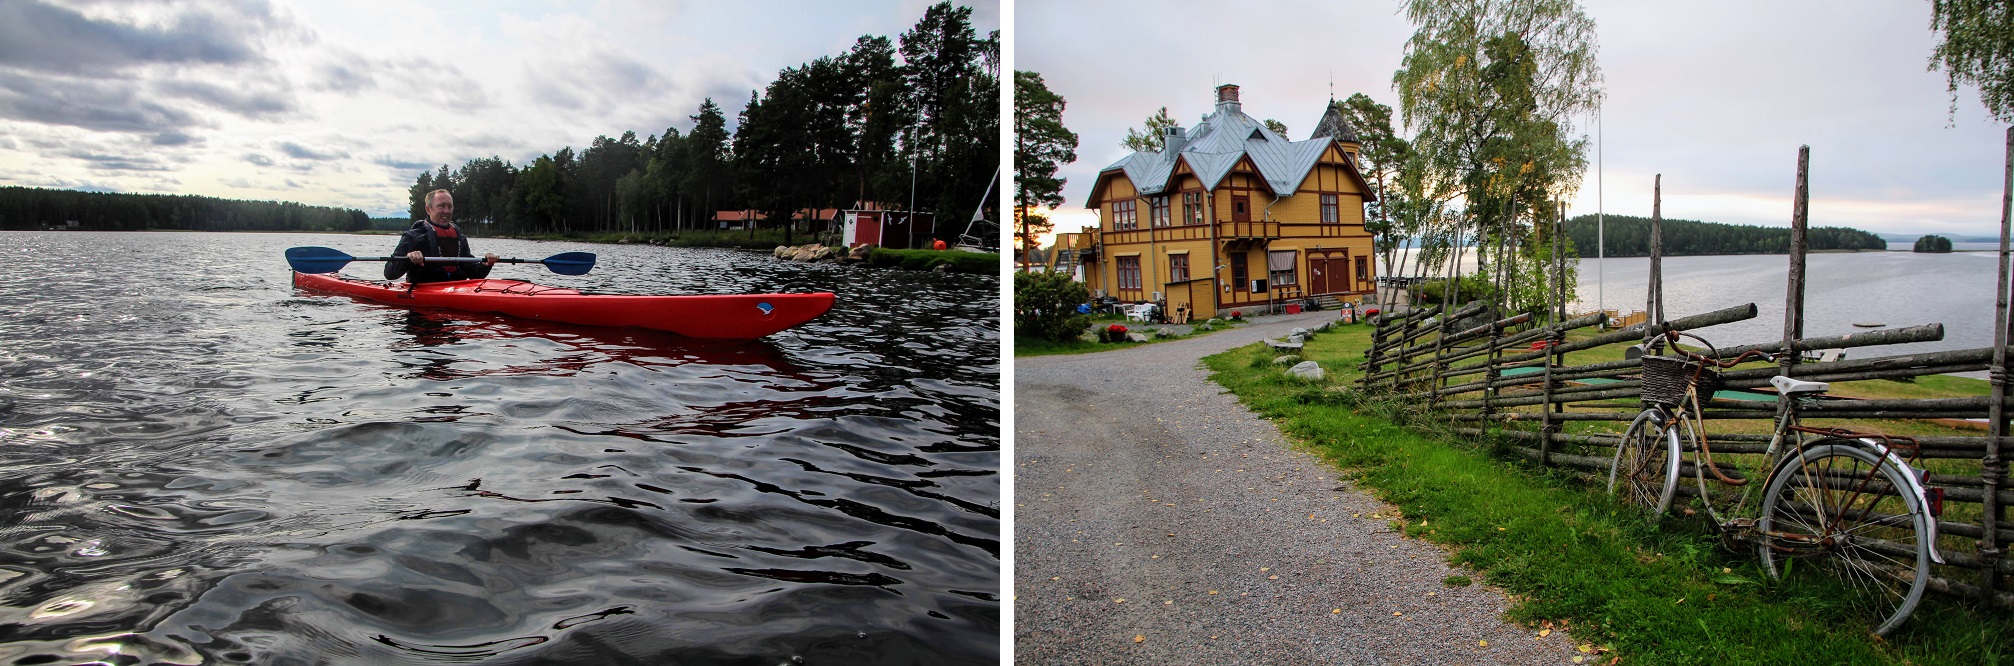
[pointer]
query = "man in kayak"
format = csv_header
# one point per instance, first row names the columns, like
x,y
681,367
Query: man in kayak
x,y
436,236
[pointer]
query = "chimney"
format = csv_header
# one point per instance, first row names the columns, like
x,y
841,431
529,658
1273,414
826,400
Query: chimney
x,y
1173,140
1227,97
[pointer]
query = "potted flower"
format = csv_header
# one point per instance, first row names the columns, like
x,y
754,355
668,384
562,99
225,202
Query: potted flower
x,y
1115,333
1237,316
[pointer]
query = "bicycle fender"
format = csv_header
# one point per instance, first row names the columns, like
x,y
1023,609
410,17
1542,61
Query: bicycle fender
x,y
1915,486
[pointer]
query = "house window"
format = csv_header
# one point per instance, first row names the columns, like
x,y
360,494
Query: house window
x,y
1126,214
1331,213
1240,209
1239,272
1363,269
1158,211
1178,268
1192,207
1280,268
1129,272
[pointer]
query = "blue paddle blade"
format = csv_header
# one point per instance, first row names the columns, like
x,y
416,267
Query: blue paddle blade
x,y
570,263
317,259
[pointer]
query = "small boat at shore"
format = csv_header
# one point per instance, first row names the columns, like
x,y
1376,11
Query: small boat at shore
x,y
1864,324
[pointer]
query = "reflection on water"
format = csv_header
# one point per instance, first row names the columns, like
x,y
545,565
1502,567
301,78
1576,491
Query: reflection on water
x,y
207,466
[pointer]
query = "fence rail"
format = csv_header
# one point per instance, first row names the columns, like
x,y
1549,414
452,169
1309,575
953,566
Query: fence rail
x,y
1499,374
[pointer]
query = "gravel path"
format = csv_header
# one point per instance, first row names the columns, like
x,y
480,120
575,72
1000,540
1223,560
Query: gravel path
x,y
1138,479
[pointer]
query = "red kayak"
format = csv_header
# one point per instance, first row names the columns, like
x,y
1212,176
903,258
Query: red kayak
x,y
725,316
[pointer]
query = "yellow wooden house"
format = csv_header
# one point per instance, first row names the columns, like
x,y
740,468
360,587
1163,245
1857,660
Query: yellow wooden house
x,y
1230,215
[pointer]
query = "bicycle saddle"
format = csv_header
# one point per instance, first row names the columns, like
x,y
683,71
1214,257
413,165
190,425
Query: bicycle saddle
x,y
1788,386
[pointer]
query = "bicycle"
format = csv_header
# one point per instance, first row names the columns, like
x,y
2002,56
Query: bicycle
x,y
1844,498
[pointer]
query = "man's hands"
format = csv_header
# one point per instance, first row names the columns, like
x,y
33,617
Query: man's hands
x,y
419,259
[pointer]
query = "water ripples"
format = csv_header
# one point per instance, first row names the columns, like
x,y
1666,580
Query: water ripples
x,y
205,466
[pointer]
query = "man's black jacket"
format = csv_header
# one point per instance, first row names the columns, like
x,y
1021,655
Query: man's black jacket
x,y
422,237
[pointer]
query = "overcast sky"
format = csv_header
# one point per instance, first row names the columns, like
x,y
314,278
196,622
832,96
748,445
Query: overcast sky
x,y
343,103
1717,96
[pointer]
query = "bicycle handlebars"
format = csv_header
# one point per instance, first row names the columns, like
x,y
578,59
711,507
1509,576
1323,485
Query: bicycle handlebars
x,y
1672,335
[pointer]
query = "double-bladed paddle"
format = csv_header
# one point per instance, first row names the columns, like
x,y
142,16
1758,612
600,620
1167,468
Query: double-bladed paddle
x,y
330,260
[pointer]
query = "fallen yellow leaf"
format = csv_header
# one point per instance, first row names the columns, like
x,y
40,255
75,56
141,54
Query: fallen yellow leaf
x,y
1544,633
1272,578
1577,659
1169,602
1118,601
1483,643
1396,613
1213,591
1586,648
1336,611
1139,638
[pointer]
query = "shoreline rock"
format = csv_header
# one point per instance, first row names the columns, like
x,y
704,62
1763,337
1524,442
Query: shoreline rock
x,y
816,253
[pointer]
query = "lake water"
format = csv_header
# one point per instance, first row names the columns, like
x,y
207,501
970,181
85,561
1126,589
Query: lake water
x,y
1895,289
200,464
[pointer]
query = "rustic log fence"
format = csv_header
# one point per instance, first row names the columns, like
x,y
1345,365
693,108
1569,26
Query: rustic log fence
x,y
1490,373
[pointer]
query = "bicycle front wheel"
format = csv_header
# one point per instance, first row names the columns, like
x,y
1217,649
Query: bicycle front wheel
x,y
1851,512
1645,469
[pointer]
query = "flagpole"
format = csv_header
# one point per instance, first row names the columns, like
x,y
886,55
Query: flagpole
x,y
1600,225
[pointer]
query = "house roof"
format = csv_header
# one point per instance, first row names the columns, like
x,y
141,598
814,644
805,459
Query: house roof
x,y
1333,124
1217,144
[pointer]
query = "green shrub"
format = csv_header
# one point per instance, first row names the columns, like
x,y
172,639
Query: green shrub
x,y
1472,288
1045,306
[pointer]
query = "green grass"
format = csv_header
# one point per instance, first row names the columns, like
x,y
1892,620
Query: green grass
x,y
1570,557
1032,347
976,263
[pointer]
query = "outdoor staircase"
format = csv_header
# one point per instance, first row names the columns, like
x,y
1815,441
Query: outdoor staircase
x,y
1329,302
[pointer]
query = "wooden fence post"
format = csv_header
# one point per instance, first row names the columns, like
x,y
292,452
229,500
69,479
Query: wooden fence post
x,y
1554,335
1793,301
1991,468
1653,297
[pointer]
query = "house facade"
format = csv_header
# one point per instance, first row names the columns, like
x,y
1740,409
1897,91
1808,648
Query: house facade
x,y
1230,215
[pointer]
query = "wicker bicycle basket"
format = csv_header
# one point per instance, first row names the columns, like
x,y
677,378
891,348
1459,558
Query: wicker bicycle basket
x,y
1665,379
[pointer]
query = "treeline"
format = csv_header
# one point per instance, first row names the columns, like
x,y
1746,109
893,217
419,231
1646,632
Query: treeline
x,y
28,208
854,126
1629,236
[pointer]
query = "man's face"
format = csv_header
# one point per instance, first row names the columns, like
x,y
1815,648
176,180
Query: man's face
x,y
441,209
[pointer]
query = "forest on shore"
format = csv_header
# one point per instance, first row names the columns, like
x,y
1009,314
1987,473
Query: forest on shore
x,y
35,209
888,121
855,126
1629,236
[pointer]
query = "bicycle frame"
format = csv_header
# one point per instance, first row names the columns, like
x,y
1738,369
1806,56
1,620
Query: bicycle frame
x,y
1776,457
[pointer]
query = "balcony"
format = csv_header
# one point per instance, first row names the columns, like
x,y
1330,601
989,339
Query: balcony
x,y
1254,230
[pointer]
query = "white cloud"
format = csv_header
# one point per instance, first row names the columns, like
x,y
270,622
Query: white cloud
x,y
351,100
1715,95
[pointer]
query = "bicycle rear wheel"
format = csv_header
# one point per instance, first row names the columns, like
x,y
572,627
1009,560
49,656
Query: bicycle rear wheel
x,y
1645,469
1851,512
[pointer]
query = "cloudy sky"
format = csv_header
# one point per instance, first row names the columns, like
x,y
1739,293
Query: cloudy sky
x,y
343,103
1715,95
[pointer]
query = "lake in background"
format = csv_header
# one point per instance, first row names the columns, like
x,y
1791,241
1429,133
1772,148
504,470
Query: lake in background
x,y
199,463
1896,289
